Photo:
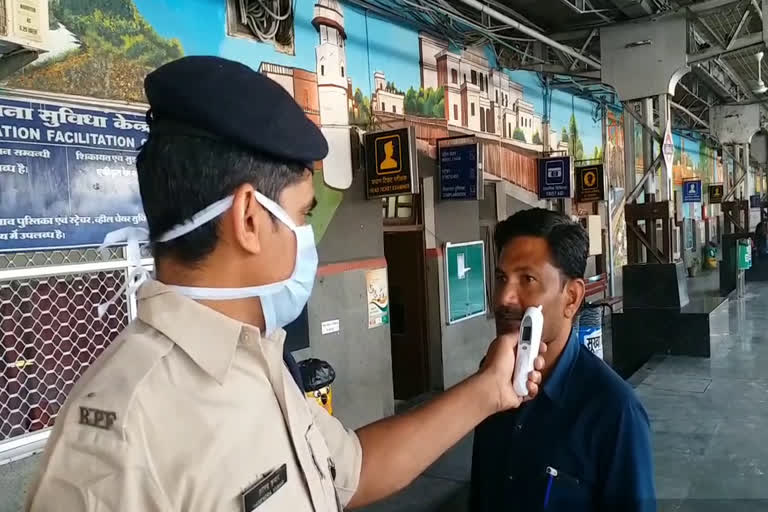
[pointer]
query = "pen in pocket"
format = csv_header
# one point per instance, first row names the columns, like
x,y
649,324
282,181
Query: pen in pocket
x,y
551,474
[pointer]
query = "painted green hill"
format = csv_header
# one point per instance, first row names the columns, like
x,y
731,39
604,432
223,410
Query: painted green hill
x,y
118,47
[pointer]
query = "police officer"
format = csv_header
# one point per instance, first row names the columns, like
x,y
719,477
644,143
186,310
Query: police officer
x,y
193,406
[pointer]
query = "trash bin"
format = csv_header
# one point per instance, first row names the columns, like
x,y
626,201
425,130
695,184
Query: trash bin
x,y
590,330
317,376
744,254
710,255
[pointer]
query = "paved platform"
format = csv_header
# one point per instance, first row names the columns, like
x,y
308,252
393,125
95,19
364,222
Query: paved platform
x,y
709,419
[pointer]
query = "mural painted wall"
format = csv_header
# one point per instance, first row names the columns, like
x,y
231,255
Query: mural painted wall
x,y
615,170
693,159
345,67
575,123
105,48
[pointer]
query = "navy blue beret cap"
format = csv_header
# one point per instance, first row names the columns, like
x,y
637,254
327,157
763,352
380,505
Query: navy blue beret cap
x,y
230,101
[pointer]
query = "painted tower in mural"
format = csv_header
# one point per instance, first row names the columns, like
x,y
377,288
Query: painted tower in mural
x,y
332,84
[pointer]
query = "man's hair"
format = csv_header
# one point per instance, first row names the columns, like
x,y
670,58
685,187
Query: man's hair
x,y
179,175
567,240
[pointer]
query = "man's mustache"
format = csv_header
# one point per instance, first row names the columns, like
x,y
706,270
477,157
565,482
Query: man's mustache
x,y
506,315
509,314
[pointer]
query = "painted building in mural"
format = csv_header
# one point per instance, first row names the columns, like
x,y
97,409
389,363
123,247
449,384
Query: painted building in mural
x,y
476,96
385,97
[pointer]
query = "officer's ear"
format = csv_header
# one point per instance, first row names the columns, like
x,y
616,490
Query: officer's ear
x,y
575,290
247,218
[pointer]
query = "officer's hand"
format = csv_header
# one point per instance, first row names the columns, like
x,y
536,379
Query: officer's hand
x,y
499,363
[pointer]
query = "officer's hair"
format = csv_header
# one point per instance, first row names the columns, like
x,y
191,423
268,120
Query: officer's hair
x,y
568,241
179,175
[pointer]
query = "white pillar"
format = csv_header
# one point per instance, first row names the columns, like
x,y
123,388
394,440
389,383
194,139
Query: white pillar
x,y
746,188
667,184
647,112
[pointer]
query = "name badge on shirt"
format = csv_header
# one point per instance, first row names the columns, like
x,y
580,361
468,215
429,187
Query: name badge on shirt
x,y
262,490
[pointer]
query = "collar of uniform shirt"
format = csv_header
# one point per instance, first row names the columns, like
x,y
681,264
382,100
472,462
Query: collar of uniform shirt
x,y
207,336
555,386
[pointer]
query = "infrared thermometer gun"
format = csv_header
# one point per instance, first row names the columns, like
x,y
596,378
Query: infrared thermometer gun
x,y
527,348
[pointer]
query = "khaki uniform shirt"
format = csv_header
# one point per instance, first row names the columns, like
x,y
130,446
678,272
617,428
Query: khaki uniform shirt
x,y
189,410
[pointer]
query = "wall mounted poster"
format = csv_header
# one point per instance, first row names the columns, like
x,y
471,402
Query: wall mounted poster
x,y
67,174
378,297
465,276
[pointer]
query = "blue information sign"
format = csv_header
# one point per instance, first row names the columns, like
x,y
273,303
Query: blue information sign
x,y
692,191
67,174
458,172
555,178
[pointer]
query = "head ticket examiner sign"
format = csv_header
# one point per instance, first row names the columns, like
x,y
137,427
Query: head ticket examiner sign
x,y
391,163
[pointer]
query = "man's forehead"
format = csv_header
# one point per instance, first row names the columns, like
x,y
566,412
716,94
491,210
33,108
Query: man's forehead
x,y
524,248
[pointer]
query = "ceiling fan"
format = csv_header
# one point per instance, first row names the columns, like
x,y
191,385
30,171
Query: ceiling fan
x,y
760,86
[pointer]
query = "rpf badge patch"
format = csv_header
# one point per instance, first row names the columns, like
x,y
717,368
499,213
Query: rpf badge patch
x,y
262,490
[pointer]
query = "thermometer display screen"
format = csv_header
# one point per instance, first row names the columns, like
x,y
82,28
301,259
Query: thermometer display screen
x,y
527,333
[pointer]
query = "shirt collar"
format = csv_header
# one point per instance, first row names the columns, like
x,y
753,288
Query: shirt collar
x,y
209,338
555,386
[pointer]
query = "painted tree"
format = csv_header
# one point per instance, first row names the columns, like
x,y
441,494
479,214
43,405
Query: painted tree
x,y
575,146
425,103
392,88
519,135
118,48
536,138
411,101
362,116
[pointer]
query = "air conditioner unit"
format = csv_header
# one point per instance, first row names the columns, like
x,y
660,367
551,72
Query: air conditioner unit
x,y
23,27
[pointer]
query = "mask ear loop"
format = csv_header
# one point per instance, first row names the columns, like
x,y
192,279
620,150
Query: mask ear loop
x,y
202,217
275,209
132,235
138,274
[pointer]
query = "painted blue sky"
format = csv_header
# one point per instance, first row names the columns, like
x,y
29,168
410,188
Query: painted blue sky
x,y
563,105
200,25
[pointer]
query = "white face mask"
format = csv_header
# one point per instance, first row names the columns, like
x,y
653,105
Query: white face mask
x,y
281,302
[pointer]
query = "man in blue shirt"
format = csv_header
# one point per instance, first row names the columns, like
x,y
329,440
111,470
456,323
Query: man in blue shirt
x,y
584,443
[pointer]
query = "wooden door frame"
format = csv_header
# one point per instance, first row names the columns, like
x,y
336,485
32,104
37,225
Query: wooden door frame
x,y
392,228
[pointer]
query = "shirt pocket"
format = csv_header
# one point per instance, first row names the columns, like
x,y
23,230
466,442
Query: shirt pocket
x,y
566,491
325,465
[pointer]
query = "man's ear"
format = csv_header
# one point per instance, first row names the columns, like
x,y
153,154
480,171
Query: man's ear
x,y
575,290
247,218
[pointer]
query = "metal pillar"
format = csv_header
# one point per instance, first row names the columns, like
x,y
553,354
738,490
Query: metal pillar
x,y
749,180
643,243
630,173
726,177
608,208
666,190
650,184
